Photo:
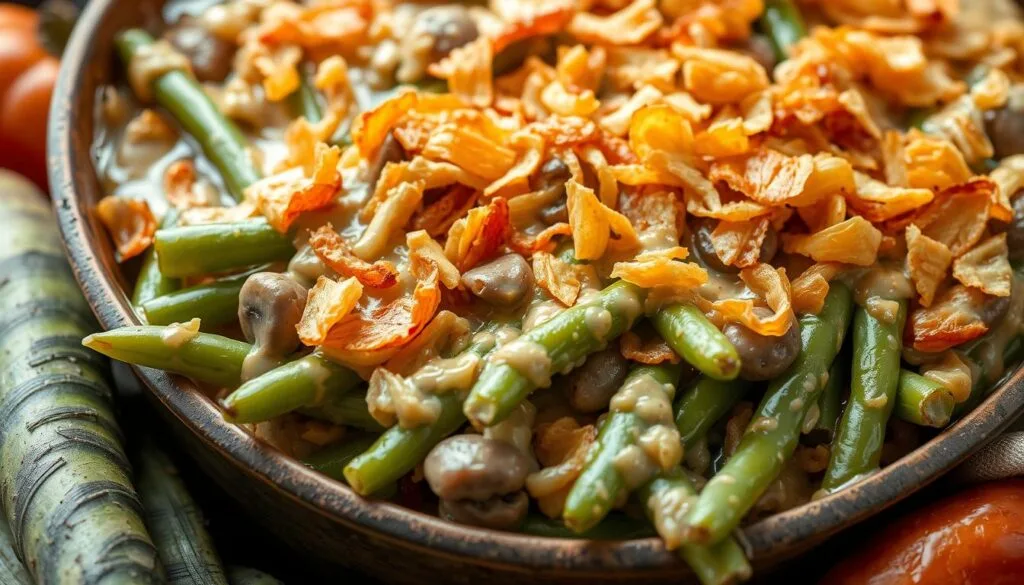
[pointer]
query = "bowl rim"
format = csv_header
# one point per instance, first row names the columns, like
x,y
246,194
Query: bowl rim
x,y
74,181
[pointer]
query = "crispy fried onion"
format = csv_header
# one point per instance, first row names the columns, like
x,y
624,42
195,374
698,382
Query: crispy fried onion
x,y
1009,175
424,252
470,150
629,26
772,178
529,148
650,351
986,267
954,318
854,241
880,202
811,287
399,204
393,399
562,448
719,76
371,128
595,227
180,187
662,269
958,215
468,72
335,252
479,236
526,245
281,198
920,161
738,243
437,217
927,262
327,303
433,174
332,25
556,277
130,223
526,20
772,287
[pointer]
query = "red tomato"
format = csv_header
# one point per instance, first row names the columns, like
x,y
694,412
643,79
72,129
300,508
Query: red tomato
x,y
975,537
27,75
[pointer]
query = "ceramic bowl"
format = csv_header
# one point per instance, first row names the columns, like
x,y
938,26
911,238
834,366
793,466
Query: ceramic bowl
x,y
326,520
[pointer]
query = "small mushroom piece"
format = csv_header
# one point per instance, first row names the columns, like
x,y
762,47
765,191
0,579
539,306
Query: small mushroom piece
x,y
503,282
763,357
211,56
390,151
592,385
1015,230
449,27
269,306
1005,126
552,178
994,310
760,48
498,513
474,467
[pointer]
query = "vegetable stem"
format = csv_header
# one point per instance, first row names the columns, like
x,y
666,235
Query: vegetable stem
x,y
687,331
923,401
214,303
704,404
198,250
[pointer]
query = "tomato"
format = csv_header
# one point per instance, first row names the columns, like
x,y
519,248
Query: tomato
x,y
972,537
27,75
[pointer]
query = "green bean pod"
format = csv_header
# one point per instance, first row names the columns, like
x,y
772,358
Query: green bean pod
x,y
214,303
775,429
923,401
874,379
198,250
180,94
688,332
704,404
613,527
152,283
305,382
331,461
555,346
348,409
782,22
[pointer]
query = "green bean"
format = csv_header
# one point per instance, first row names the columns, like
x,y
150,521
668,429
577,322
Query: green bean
x,y
555,346
704,404
601,484
613,527
214,303
331,461
688,332
782,22
305,382
208,358
198,250
830,405
874,378
399,450
303,101
775,429
152,283
717,564
348,409
923,401
180,94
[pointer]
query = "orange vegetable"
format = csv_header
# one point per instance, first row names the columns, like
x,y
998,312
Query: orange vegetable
x,y
975,536
27,76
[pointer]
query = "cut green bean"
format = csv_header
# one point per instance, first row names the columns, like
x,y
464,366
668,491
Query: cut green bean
x,y
874,378
601,484
775,429
152,283
205,357
923,401
704,404
555,346
198,250
830,405
303,101
305,382
331,461
180,94
782,22
399,450
613,527
214,303
688,332
718,564
348,409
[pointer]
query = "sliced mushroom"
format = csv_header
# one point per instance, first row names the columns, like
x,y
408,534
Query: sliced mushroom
x,y
763,357
498,513
503,282
552,178
473,467
1015,230
390,151
449,27
211,56
269,306
592,385
1005,126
